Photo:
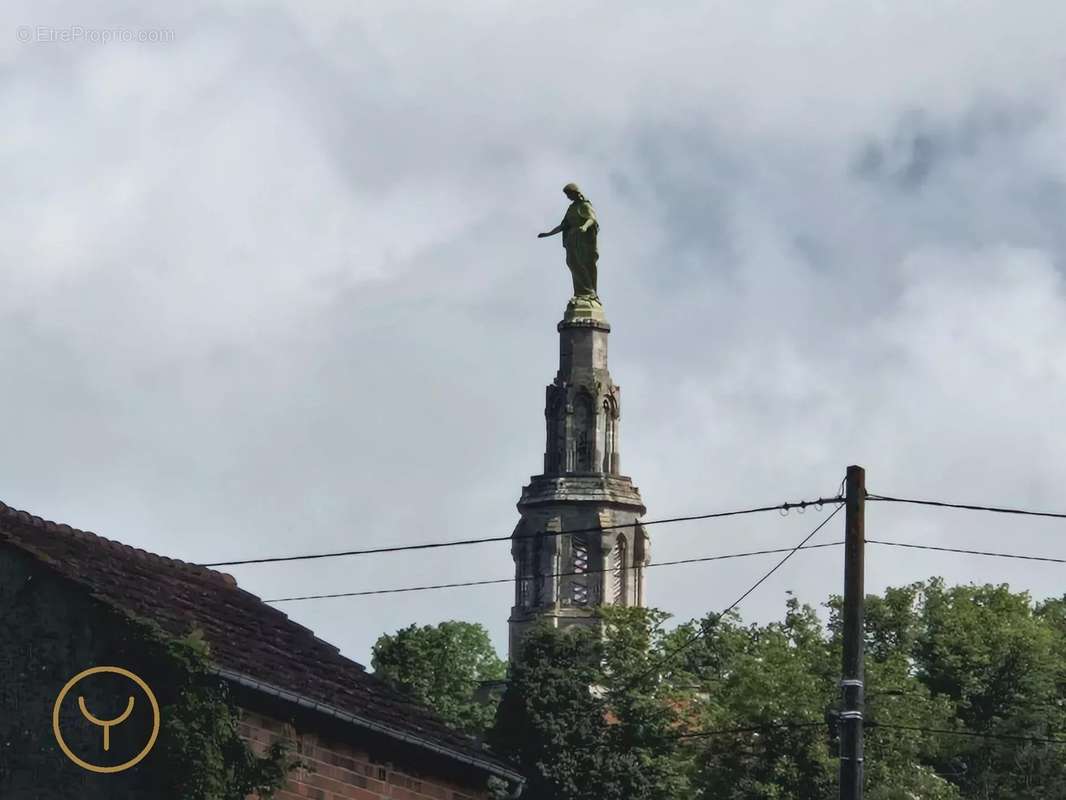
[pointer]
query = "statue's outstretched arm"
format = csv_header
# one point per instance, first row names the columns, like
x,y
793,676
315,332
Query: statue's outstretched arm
x,y
557,229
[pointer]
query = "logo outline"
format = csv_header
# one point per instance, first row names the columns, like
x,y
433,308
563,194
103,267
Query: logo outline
x,y
66,748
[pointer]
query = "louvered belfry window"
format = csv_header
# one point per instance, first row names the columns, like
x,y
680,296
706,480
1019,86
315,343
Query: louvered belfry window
x,y
579,591
618,573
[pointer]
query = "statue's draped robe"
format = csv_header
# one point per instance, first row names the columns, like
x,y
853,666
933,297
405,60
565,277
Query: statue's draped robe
x,y
581,252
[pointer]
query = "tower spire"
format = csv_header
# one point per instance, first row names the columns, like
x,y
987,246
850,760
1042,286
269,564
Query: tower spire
x,y
560,577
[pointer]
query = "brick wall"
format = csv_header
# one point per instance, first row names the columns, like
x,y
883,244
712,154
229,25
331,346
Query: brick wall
x,y
333,769
50,631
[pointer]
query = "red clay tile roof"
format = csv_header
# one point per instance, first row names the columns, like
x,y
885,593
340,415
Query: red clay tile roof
x,y
245,634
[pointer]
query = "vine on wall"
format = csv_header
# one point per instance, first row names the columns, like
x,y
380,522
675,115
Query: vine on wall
x,y
200,754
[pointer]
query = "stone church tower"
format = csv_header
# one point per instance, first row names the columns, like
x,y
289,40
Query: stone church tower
x,y
581,488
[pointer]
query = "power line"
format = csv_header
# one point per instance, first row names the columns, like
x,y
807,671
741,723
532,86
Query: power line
x,y
752,729
968,552
886,725
949,732
940,504
674,737
552,575
786,507
780,563
801,724
700,633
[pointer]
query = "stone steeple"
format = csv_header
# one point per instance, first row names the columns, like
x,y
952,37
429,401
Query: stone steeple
x,y
581,488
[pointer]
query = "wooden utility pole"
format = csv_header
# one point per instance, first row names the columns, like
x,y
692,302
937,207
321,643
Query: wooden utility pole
x,y
851,683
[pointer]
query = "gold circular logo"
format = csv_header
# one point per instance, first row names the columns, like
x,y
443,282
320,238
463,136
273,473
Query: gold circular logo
x,y
105,724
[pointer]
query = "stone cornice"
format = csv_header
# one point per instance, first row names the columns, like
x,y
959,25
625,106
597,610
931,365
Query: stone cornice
x,y
615,490
584,322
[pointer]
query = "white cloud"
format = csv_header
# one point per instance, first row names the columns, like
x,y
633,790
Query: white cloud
x,y
273,287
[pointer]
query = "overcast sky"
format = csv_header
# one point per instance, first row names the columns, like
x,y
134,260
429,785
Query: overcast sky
x,y
271,286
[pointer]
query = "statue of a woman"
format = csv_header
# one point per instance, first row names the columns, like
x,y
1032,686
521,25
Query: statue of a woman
x,y
579,229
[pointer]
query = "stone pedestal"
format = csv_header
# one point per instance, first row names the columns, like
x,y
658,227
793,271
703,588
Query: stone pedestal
x,y
564,578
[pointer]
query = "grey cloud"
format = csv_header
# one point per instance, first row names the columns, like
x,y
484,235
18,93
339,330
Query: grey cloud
x,y
920,143
276,289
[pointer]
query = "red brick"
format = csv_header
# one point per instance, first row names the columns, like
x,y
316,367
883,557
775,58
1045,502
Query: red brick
x,y
334,770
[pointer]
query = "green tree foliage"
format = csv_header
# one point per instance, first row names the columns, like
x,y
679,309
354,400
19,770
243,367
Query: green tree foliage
x,y
1002,665
628,714
900,763
442,668
204,756
200,754
757,677
642,756
585,715
552,721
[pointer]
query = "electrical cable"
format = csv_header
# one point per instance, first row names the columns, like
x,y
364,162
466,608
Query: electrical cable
x,y
868,725
552,575
515,537
871,725
700,633
949,732
752,729
940,504
966,552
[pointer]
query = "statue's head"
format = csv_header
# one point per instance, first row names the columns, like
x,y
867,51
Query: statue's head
x,y
571,191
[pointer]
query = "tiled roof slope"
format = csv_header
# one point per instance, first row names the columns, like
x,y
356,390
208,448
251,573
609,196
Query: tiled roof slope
x,y
245,634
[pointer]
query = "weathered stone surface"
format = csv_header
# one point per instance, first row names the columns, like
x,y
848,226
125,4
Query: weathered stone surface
x,y
579,543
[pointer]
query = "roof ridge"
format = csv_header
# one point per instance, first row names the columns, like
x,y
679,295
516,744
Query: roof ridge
x,y
32,520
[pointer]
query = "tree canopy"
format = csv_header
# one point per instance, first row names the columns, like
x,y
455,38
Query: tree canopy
x,y
442,666
719,709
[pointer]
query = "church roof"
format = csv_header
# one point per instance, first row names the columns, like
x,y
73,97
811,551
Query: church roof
x,y
249,640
